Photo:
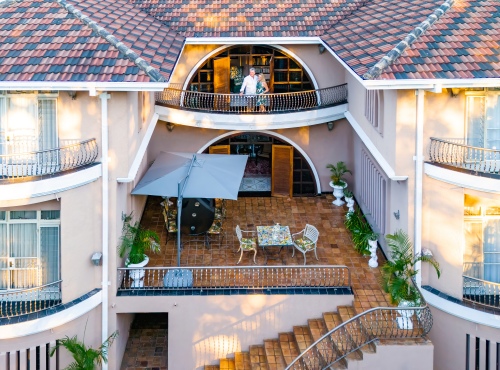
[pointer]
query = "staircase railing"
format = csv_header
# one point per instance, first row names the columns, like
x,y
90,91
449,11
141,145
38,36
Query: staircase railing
x,y
24,301
238,277
457,153
360,330
48,162
235,103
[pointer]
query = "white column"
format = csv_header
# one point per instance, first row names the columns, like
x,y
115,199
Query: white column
x,y
419,165
105,216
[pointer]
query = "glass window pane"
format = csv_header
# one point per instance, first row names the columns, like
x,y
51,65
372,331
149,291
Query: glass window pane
x,y
3,215
475,120
23,215
51,215
49,254
23,240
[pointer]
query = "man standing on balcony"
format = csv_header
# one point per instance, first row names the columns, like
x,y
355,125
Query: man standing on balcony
x,y
249,87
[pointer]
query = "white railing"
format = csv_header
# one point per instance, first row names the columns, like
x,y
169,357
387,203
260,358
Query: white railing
x,y
24,301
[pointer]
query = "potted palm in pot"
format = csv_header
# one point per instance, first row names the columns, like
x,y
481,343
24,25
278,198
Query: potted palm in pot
x,y
135,242
349,198
397,275
338,183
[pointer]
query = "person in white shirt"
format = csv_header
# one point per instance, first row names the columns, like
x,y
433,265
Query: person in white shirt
x,y
249,86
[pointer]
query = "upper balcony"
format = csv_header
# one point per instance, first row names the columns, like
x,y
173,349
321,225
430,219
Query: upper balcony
x,y
458,162
234,111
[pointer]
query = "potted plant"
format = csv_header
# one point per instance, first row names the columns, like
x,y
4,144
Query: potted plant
x,y
134,243
349,198
85,358
359,228
338,183
371,239
397,274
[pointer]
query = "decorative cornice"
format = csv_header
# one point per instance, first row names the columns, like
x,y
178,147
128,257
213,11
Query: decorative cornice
x,y
395,53
152,72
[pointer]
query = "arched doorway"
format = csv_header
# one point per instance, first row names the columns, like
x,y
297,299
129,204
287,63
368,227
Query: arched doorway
x,y
268,157
224,71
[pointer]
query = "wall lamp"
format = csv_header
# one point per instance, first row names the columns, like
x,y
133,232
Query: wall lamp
x,y
72,94
321,48
396,214
170,126
96,258
454,91
330,125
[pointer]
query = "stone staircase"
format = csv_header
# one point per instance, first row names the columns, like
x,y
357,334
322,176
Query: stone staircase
x,y
277,354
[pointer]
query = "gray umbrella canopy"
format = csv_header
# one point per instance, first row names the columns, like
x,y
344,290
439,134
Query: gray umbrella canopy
x,y
212,175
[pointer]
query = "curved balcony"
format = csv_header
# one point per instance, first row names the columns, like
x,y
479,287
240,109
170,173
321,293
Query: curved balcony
x,y
240,112
456,153
25,301
21,165
477,289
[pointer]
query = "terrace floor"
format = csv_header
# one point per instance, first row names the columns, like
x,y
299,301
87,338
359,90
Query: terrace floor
x,y
334,244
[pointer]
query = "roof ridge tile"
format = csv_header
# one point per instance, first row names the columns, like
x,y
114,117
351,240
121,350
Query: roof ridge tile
x,y
152,72
396,52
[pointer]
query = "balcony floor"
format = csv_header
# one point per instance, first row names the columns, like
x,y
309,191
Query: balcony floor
x,y
334,244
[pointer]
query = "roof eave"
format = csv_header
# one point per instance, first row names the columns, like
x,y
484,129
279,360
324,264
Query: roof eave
x,y
91,87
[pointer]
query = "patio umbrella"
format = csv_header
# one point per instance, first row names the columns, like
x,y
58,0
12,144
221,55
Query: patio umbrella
x,y
192,175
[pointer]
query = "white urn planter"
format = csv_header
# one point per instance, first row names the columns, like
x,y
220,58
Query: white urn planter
x,y
404,322
373,262
137,275
338,193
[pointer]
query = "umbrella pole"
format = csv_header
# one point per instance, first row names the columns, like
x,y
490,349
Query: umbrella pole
x,y
180,193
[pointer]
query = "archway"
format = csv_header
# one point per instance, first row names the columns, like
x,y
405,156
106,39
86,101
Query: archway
x,y
258,176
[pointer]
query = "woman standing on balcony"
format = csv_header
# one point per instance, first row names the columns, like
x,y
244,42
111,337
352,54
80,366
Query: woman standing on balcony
x,y
262,88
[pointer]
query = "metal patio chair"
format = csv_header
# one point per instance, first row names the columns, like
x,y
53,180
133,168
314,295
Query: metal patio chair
x,y
305,241
246,244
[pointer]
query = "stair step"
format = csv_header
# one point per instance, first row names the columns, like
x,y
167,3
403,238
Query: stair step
x,y
332,320
289,347
211,367
302,337
227,364
258,358
275,360
242,361
358,334
319,329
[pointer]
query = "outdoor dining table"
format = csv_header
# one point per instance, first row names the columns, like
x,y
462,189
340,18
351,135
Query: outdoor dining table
x,y
273,236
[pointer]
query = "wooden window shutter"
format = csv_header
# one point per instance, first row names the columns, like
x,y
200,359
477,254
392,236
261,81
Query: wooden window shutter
x,y
282,171
219,149
221,83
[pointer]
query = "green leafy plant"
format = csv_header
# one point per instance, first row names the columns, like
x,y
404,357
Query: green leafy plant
x,y
360,231
347,193
398,272
85,358
136,241
338,171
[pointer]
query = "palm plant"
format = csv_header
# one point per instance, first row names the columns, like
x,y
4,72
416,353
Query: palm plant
x,y
338,171
136,241
360,230
85,358
399,272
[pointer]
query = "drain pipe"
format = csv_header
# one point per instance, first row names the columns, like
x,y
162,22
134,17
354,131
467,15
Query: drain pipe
x,y
105,217
419,166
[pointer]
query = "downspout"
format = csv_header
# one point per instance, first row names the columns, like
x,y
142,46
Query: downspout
x,y
419,165
105,217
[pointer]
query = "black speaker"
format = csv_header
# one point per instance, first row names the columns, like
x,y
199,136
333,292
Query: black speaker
x,y
197,215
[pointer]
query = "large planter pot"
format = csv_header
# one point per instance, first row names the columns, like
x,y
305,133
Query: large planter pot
x,y
404,322
138,274
338,193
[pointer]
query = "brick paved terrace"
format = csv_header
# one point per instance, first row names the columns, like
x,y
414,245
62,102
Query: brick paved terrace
x,y
334,244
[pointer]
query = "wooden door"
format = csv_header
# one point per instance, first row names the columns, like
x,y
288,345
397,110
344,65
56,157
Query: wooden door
x,y
282,171
219,149
221,83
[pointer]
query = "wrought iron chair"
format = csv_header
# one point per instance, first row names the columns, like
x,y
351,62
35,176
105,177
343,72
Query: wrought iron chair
x,y
246,244
306,240
216,230
170,225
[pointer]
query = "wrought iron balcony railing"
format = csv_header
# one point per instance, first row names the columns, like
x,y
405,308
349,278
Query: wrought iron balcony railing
x,y
24,301
17,164
476,286
457,153
219,278
235,103
365,328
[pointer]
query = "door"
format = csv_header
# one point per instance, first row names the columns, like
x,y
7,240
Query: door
x,y
219,149
282,171
221,83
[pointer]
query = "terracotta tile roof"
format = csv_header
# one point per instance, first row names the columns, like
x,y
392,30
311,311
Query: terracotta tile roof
x,y
44,40
249,18
463,42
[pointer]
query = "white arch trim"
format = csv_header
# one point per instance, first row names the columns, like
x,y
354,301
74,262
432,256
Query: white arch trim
x,y
221,48
279,136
